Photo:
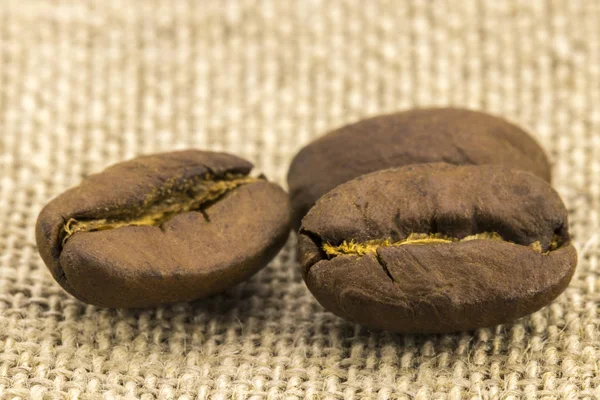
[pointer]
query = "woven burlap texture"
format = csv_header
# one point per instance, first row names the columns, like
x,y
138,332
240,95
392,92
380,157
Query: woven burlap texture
x,y
84,84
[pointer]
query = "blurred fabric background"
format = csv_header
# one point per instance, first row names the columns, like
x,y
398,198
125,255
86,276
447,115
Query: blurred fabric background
x,y
84,84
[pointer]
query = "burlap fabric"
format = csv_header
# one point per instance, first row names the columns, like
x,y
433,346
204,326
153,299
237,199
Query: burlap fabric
x,y
85,84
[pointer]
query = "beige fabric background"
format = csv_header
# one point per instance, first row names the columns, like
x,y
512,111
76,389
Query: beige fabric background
x,y
84,84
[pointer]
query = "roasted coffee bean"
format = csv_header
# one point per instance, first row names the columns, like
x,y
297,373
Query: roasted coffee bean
x,y
163,228
450,135
437,247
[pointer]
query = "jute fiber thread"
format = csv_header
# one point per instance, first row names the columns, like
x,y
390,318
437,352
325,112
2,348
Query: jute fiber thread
x,y
84,84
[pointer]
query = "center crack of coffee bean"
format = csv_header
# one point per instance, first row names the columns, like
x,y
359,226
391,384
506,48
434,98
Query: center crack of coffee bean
x,y
371,246
192,195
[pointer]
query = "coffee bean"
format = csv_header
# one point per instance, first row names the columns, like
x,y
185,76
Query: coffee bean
x,y
454,136
437,247
163,228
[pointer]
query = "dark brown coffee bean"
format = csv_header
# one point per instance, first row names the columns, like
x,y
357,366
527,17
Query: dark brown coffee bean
x,y
163,228
437,247
449,135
